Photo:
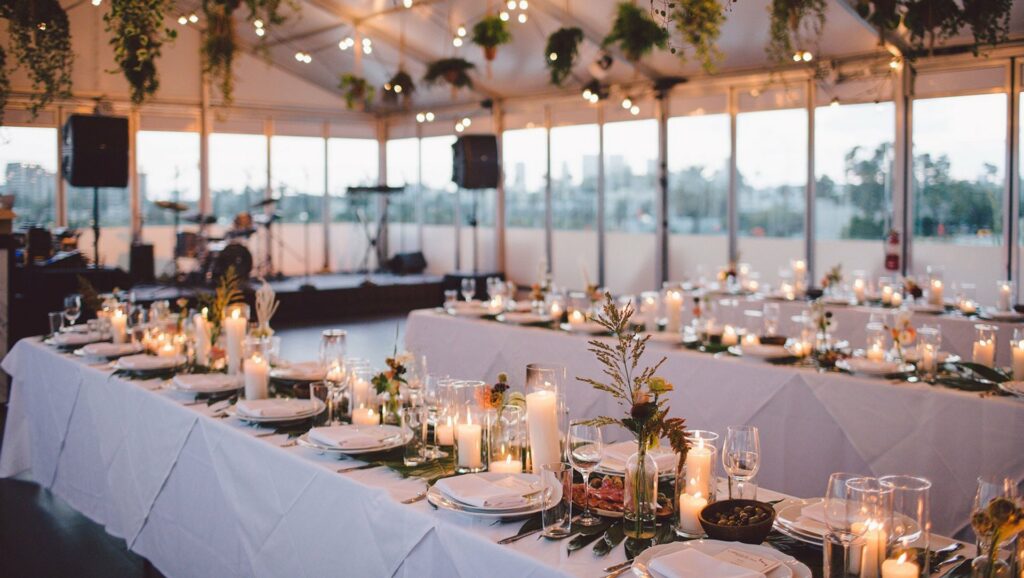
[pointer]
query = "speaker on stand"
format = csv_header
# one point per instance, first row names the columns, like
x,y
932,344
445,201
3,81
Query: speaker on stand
x,y
94,153
475,166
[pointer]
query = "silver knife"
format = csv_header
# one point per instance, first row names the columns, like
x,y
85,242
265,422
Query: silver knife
x,y
617,567
519,537
357,468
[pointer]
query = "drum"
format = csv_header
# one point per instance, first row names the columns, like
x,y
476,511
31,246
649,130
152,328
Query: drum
x,y
222,256
243,221
188,244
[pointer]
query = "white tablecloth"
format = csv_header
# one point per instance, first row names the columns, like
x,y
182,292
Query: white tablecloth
x,y
812,424
200,496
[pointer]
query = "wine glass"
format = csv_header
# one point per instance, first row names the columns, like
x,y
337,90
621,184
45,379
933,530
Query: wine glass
x,y
72,308
990,488
869,512
585,451
468,289
837,520
770,318
742,459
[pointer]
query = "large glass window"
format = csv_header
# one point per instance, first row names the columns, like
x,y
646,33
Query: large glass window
x,y
238,173
853,185
959,146
575,157
28,159
297,170
438,188
630,173
353,162
524,159
771,162
698,190
168,170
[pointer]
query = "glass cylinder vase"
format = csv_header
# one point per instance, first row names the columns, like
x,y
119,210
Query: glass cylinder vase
x,y
505,440
640,499
696,482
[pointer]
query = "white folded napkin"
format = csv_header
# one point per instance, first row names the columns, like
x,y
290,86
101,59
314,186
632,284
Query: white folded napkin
x,y
814,512
110,349
202,382
350,437
689,563
303,371
68,339
276,407
616,455
476,490
145,362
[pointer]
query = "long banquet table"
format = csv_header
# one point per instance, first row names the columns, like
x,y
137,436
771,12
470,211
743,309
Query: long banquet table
x,y
811,423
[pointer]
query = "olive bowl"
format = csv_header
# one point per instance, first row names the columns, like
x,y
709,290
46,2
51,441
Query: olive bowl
x,y
754,533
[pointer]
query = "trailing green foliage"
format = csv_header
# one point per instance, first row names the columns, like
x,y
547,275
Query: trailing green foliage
x,y
789,20
635,32
490,32
561,52
137,33
699,23
454,71
39,37
358,92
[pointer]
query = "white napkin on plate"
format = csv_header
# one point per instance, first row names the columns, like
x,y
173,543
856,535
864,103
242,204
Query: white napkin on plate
x,y
689,563
201,382
145,362
500,494
276,407
110,349
814,512
303,371
350,437
616,455
68,339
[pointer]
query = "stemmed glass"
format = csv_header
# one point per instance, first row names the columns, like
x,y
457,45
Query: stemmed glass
x,y
771,313
869,511
988,490
468,289
838,521
742,458
585,451
72,308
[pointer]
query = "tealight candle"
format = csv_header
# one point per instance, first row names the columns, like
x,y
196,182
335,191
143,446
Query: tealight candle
x,y
556,310
256,371
896,300
234,336
729,336
673,311
968,307
875,352
365,416
751,339
167,350
1005,302
929,358
496,305
506,466
119,326
887,294
858,290
689,513
576,317
468,437
335,374
900,568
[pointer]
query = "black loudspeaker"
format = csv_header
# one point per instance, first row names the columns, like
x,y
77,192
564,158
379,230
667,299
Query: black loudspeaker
x,y
95,151
140,263
475,162
408,263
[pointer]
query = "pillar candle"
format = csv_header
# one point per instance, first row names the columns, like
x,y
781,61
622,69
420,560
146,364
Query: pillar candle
x,y
929,357
858,290
751,339
202,339
444,434
119,326
167,350
935,294
699,469
729,336
984,352
896,300
865,561
542,419
1017,348
649,306
1005,297
689,513
234,337
887,295
360,392
365,416
900,568
506,466
674,311
257,377
468,437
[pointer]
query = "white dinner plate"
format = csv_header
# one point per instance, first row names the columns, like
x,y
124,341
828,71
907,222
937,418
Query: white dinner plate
x,y
766,352
668,337
145,362
788,566
75,339
871,367
398,439
438,498
108,350
523,318
1004,315
928,308
206,382
468,309
316,407
1015,388
302,371
944,357
585,328
790,521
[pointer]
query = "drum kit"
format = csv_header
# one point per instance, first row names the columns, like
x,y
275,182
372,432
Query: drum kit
x,y
211,256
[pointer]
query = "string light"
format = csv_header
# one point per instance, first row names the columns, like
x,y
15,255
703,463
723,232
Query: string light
x,y
407,3
461,32
627,103
586,93
457,42
367,46
422,117
192,18
523,4
834,102
182,20
466,121
459,127
553,56
430,116
522,18
894,63
97,2
346,43
803,55
634,110
259,27
303,57
503,16
511,4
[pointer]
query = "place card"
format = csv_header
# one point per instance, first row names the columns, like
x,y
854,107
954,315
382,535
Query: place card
x,y
747,560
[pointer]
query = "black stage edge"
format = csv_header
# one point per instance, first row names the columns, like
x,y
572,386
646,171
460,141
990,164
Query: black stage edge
x,y
333,297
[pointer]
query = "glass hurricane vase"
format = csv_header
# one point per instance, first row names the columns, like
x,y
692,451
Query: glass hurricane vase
x,y
640,499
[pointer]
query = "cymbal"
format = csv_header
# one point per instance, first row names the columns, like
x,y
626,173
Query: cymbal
x,y
264,220
201,219
171,206
265,202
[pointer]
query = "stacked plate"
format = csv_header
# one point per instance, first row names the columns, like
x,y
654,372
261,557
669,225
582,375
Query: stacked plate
x,y
716,558
585,328
206,383
791,521
304,371
615,455
468,309
765,352
277,410
143,363
75,338
355,439
493,495
524,318
872,367
108,350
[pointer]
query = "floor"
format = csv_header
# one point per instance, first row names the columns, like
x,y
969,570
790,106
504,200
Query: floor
x,y
40,535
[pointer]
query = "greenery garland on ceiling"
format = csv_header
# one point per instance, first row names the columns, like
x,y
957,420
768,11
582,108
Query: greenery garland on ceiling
x,y
560,53
454,71
789,20
358,91
220,39
635,32
699,23
137,33
931,22
39,37
490,33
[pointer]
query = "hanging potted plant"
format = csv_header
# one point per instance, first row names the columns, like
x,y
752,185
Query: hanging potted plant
x,y
790,18
635,32
560,54
358,92
490,33
454,71
137,33
699,22
400,86
39,38
989,21
931,22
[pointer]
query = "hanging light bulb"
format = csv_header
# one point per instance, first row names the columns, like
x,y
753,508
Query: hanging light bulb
x,y
193,18
257,23
586,93
466,121
459,127
835,102
553,56
407,3
182,20
627,102
594,98
387,86
807,56
894,63
398,89
420,117
503,16
461,31
430,116
97,2
457,42
634,110
523,4
260,32
522,18
511,4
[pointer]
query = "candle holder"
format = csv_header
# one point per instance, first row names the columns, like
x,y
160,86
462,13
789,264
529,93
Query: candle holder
x,y
578,308
876,341
966,299
1017,351
936,287
256,376
470,450
869,509
234,326
1004,295
929,343
859,287
909,527
361,392
650,303
696,482
554,304
333,346
984,350
885,290
505,439
543,385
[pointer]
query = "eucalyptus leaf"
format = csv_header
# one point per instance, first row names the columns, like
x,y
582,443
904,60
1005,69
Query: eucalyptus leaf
x,y
587,535
612,538
985,372
965,384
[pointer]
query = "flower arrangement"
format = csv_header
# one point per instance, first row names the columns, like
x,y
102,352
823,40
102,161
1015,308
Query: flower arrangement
x,y
497,396
728,273
833,277
903,333
789,18
266,306
387,384
593,291
999,522
227,293
910,287
821,317
358,92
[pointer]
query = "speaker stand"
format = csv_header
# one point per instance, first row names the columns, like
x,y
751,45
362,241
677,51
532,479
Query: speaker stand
x,y
96,225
